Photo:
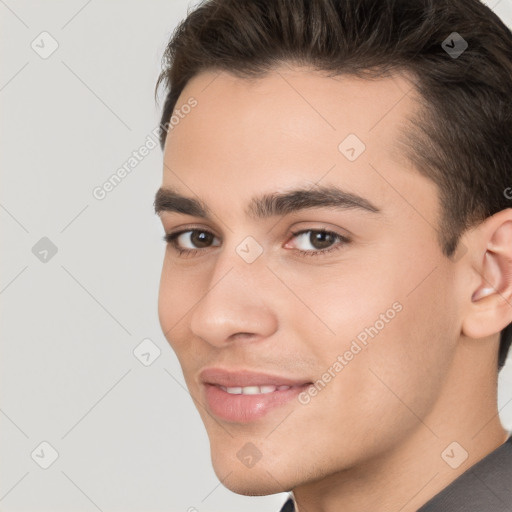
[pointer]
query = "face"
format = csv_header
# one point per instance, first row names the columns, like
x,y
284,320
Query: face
x,y
345,297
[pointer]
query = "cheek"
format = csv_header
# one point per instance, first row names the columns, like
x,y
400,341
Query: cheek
x,y
396,340
166,300
176,296
343,303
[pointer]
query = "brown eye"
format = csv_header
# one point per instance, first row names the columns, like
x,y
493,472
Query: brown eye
x,y
320,241
190,240
201,238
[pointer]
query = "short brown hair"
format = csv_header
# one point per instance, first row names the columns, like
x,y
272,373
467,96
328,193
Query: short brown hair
x,y
462,137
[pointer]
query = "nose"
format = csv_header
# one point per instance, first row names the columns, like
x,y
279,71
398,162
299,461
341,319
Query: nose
x,y
237,303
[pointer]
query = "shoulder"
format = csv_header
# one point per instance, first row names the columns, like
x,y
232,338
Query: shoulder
x,y
484,487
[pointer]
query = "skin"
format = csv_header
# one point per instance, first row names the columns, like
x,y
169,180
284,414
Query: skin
x,y
372,438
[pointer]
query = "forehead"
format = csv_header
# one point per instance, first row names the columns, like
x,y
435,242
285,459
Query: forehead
x,y
297,103
292,124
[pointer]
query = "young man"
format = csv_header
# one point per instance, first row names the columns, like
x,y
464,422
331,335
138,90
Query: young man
x,y
337,283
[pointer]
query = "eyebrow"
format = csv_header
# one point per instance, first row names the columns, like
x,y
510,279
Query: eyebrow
x,y
269,205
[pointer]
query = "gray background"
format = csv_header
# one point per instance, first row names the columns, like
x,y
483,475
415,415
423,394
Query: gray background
x,y
128,436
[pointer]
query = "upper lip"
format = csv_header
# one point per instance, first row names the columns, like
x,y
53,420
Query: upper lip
x,y
242,378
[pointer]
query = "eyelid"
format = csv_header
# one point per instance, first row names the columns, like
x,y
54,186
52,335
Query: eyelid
x,y
184,229
342,240
170,238
300,232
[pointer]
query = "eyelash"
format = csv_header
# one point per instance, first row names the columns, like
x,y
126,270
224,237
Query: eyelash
x,y
170,238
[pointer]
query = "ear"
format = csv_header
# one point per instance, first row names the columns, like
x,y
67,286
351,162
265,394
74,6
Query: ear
x,y
490,293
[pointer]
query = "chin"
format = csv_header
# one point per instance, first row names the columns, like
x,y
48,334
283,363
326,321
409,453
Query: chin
x,y
258,480
249,485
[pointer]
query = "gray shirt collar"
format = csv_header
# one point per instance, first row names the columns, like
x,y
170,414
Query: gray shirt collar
x,y
484,487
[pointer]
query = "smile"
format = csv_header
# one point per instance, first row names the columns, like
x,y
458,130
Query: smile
x,y
253,390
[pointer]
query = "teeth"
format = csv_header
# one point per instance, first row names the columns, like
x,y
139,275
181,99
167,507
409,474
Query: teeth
x,y
250,390
253,390
267,389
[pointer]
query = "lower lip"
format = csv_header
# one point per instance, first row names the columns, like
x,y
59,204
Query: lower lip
x,y
246,408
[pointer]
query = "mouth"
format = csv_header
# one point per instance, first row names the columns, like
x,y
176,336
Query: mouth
x,y
247,379
243,396
255,390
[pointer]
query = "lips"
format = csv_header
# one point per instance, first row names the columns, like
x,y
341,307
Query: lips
x,y
247,379
244,396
